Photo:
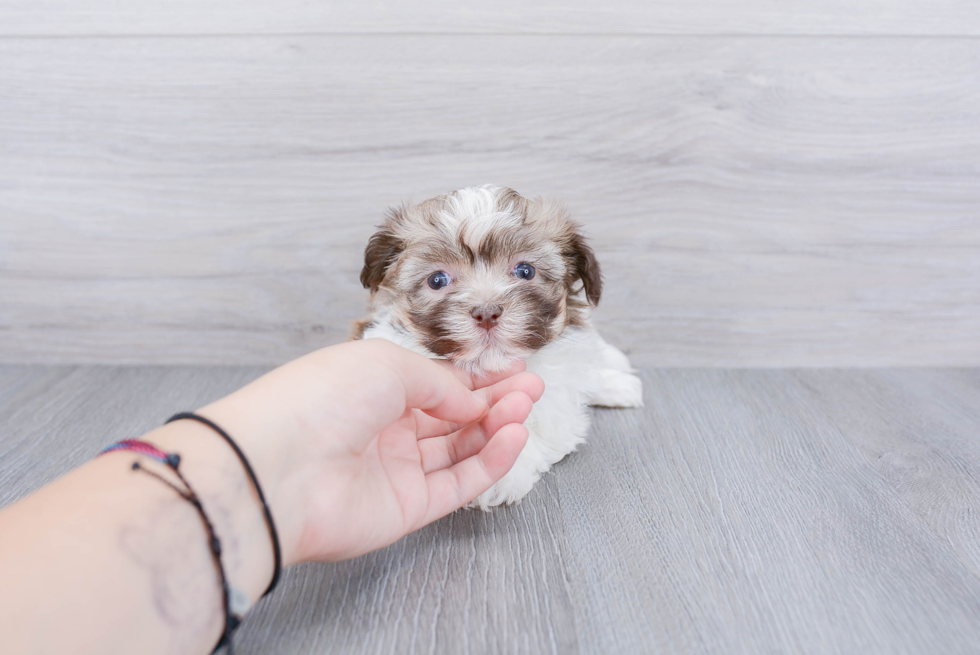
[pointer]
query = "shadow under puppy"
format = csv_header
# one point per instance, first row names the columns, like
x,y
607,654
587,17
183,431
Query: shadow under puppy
x,y
482,276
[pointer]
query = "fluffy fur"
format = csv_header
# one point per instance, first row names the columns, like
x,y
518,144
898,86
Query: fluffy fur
x,y
478,236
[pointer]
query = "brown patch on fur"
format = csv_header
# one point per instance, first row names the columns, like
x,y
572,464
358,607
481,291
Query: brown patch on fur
x,y
382,250
436,337
504,244
358,327
543,310
518,203
468,254
584,266
428,210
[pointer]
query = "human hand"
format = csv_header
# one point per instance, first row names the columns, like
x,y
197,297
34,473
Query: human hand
x,y
358,444
353,445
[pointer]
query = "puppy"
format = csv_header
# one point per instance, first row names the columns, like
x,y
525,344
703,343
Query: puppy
x,y
482,276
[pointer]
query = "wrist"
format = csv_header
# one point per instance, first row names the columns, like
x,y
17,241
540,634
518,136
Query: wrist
x,y
228,498
270,444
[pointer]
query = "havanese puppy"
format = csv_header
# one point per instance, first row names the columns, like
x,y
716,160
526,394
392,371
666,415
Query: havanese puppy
x,y
482,276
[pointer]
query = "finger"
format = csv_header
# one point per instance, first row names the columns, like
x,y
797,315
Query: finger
x,y
427,385
527,383
442,452
483,379
493,377
451,488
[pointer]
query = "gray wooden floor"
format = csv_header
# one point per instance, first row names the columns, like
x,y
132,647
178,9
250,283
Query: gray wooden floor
x,y
817,511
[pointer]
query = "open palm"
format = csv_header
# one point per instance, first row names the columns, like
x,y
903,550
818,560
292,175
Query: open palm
x,y
387,441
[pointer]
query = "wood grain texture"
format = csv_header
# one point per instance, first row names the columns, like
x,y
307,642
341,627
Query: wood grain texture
x,y
154,17
472,583
740,511
51,419
920,431
743,520
755,201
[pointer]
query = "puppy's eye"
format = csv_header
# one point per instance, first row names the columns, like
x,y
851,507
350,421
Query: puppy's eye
x,y
524,271
439,280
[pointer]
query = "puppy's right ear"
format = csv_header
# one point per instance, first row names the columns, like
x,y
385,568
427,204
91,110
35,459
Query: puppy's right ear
x,y
382,250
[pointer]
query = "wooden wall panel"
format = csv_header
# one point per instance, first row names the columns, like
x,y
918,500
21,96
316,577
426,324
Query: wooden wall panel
x,y
756,201
809,17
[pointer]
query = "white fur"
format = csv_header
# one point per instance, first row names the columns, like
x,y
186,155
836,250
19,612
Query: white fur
x,y
579,369
475,211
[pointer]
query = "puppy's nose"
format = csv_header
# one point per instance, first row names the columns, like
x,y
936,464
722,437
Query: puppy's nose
x,y
486,315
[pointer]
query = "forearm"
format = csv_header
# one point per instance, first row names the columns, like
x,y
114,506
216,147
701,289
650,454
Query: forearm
x,y
108,559
354,446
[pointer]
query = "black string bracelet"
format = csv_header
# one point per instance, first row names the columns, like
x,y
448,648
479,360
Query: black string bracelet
x,y
172,461
276,554
232,620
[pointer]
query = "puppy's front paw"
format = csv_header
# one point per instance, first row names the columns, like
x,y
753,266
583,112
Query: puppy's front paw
x,y
618,389
509,489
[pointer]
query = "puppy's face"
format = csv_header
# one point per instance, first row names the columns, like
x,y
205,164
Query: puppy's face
x,y
481,275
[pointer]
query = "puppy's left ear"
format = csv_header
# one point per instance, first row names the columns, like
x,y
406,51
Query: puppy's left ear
x,y
382,250
584,266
